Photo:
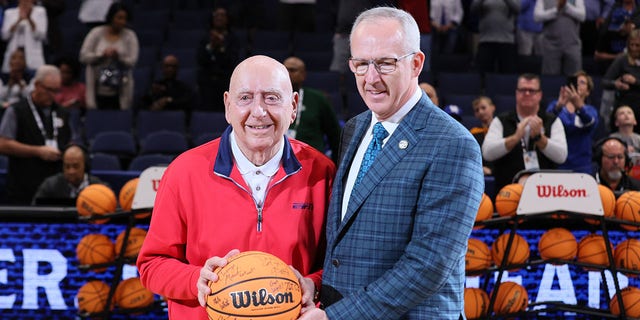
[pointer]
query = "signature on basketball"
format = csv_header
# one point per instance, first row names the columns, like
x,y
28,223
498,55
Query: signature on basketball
x,y
232,272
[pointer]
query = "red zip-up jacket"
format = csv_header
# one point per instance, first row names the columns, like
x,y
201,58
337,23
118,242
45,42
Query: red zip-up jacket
x,y
204,208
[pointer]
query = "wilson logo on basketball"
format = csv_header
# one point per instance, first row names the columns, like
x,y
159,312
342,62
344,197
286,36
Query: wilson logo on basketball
x,y
244,299
547,191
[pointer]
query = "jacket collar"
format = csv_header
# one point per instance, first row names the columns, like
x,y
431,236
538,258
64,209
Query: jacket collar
x,y
224,158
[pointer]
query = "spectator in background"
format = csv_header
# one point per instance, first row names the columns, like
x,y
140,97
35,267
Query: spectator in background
x,y
579,119
347,11
446,16
169,93
297,15
596,12
497,36
73,178
72,92
15,84
419,10
315,117
483,110
54,9
528,31
612,38
625,121
612,162
110,49
25,26
93,12
561,46
32,133
217,56
431,92
623,76
525,138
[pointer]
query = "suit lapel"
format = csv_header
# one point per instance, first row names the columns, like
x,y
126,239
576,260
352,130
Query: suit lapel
x,y
401,142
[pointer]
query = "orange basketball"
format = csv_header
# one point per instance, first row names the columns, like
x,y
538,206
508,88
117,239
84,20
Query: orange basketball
x,y
476,303
511,297
478,256
608,203
518,254
92,297
628,208
130,294
134,242
485,210
95,248
592,249
631,301
96,199
508,198
255,285
627,256
558,243
127,192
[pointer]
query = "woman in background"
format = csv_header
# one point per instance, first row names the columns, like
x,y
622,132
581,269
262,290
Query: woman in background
x,y
110,48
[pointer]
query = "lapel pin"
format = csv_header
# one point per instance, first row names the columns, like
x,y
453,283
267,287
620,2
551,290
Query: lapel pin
x,y
403,144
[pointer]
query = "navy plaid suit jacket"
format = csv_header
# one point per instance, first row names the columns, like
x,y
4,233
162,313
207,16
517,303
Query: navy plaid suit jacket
x,y
399,252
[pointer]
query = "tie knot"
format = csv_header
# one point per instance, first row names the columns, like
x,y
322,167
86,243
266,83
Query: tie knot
x,y
379,132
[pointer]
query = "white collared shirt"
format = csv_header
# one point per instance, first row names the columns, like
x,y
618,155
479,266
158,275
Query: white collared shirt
x,y
390,125
257,178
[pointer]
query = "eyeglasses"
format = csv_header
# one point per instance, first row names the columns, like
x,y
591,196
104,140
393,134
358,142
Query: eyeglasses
x,y
50,89
382,65
614,156
527,90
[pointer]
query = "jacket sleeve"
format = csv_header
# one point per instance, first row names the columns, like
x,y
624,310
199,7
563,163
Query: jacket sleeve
x,y
162,256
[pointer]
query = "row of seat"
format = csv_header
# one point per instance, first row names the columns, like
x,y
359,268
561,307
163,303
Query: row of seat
x,y
461,88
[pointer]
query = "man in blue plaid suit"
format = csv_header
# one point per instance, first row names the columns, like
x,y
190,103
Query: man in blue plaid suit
x,y
396,240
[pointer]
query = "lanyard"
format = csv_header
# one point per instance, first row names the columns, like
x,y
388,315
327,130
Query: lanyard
x,y
39,122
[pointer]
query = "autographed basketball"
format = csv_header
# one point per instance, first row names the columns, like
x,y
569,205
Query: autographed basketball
x,y
255,285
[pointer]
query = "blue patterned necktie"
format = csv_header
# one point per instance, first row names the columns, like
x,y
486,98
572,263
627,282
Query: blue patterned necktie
x,y
379,133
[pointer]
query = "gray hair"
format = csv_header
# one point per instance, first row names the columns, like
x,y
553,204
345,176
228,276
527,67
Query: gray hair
x,y
45,71
409,27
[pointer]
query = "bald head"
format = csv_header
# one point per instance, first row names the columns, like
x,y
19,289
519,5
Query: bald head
x,y
258,65
260,105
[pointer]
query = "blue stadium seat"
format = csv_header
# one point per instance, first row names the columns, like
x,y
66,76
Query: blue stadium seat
x,y
118,143
164,142
271,40
104,161
206,123
327,81
179,38
500,84
96,121
313,41
141,162
463,101
459,83
150,37
154,121
315,60
151,20
196,19
504,103
187,56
